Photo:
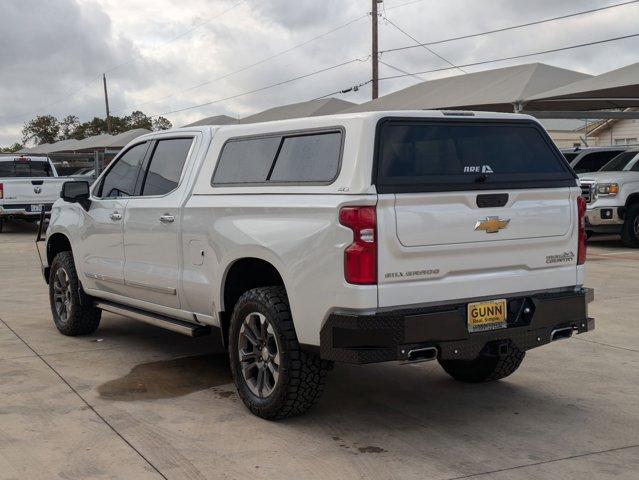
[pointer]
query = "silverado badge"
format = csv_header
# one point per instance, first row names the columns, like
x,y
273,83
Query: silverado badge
x,y
492,224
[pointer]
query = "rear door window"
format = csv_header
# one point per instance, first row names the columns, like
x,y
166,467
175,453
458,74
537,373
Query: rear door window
x,y
165,167
461,155
281,158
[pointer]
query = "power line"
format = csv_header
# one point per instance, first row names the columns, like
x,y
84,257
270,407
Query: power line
x,y
393,7
513,27
515,57
247,67
284,82
422,45
354,88
402,71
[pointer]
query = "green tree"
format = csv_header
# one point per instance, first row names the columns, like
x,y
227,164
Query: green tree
x,y
68,127
138,119
42,129
13,148
161,123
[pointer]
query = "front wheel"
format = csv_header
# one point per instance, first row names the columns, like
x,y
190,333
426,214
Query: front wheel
x,y
630,229
274,377
484,368
73,313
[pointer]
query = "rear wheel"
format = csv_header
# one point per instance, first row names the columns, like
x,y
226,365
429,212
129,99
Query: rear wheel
x,y
73,311
630,229
273,376
484,368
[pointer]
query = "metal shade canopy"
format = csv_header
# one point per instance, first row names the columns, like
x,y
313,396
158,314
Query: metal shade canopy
x,y
312,108
615,89
496,90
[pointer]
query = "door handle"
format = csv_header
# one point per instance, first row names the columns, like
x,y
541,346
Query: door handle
x,y
116,216
166,218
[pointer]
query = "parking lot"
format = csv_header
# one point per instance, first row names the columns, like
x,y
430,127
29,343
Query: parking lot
x,y
134,401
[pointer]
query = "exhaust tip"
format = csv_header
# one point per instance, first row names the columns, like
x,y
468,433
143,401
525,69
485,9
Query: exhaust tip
x,y
561,334
422,354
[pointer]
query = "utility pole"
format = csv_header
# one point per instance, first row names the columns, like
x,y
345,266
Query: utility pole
x,y
375,53
106,103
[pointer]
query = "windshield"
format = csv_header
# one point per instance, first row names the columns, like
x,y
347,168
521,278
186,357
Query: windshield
x,y
570,156
25,168
623,161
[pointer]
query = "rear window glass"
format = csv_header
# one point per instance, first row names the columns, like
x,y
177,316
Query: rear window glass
x,y
308,158
25,168
423,156
246,160
312,157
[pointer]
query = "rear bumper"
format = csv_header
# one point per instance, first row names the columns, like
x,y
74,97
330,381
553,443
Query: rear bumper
x,y
22,210
533,320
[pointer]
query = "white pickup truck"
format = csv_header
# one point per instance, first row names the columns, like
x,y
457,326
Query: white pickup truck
x,y
370,237
612,195
27,186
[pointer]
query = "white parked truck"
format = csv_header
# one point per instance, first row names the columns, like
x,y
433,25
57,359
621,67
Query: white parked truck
x,y
612,196
28,185
368,237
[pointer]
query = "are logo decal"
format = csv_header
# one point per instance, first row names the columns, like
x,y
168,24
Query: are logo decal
x,y
478,169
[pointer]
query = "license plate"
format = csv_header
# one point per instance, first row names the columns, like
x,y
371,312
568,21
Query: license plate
x,y
488,315
36,208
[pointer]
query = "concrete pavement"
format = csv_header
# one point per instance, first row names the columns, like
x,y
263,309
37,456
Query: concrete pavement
x,y
133,401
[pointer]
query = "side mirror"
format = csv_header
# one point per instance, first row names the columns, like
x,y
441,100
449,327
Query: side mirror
x,y
76,192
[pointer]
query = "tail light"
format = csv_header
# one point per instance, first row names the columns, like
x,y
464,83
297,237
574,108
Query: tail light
x,y
360,257
1,190
581,216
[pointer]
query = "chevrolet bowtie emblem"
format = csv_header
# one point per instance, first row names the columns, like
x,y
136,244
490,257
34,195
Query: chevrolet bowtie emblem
x,y
492,224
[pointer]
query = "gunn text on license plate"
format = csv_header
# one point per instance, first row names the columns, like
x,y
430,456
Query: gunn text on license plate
x,y
487,315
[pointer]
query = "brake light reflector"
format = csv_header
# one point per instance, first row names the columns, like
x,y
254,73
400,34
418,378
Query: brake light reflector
x,y
360,257
1,190
581,217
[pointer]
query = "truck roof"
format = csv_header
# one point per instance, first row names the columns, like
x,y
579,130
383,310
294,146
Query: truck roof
x,y
345,118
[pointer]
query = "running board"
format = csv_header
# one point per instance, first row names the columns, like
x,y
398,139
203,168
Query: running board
x,y
161,321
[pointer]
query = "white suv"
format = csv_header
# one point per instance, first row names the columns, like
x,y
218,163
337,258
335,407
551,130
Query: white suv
x,y
369,237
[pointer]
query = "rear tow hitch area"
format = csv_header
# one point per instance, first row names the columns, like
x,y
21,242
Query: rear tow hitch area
x,y
418,354
561,334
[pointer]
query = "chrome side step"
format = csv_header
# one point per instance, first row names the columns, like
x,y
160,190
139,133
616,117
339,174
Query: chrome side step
x,y
168,323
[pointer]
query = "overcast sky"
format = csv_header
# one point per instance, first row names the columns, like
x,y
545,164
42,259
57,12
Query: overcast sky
x,y
155,52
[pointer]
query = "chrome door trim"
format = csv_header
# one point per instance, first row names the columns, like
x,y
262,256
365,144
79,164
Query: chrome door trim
x,y
155,288
104,278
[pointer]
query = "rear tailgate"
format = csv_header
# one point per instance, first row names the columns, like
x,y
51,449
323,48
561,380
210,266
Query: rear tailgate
x,y
472,208
31,190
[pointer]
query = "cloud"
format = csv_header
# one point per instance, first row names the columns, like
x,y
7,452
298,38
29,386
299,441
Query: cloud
x,y
171,55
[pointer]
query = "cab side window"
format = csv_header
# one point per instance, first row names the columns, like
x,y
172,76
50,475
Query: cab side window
x,y
165,167
121,179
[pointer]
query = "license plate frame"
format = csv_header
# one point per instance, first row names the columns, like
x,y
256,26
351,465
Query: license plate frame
x,y
487,315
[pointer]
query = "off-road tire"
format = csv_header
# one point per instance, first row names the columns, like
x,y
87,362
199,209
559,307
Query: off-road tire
x,y
83,318
484,368
301,374
629,237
